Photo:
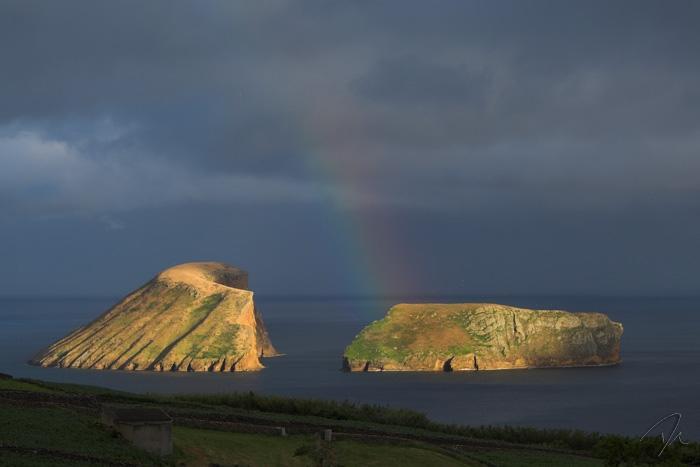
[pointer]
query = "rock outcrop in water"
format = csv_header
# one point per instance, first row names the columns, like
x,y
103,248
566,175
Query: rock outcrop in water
x,y
475,336
191,317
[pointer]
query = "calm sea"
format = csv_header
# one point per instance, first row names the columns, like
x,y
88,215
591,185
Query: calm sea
x,y
660,373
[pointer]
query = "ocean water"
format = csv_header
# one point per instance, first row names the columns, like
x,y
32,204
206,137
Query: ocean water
x,y
659,375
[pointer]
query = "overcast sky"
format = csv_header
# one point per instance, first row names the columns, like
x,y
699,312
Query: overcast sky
x,y
352,147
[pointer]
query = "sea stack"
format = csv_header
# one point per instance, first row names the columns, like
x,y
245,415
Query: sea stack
x,y
478,336
191,317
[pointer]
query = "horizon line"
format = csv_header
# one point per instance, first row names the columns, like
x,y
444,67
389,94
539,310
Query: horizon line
x,y
392,296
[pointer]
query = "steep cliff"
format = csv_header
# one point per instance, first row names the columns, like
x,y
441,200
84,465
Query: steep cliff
x,y
191,317
475,336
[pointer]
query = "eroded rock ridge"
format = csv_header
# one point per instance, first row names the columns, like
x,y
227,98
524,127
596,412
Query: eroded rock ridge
x,y
191,317
479,336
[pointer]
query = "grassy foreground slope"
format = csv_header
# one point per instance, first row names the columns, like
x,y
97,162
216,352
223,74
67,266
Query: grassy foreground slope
x,y
205,447
40,435
57,424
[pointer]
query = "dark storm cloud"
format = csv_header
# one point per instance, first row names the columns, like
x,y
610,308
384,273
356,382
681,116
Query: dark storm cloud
x,y
465,109
232,87
410,80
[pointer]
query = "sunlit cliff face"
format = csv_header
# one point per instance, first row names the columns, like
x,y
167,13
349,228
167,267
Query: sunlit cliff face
x,y
477,336
183,320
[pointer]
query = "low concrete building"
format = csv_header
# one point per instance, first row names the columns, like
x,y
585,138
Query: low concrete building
x,y
146,427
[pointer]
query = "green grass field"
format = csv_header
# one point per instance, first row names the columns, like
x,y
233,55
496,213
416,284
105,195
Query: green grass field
x,y
530,459
65,431
56,434
205,447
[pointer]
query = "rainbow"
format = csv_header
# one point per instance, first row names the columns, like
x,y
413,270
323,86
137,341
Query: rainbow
x,y
372,247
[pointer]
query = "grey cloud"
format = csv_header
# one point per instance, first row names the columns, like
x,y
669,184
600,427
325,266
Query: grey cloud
x,y
111,223
233,90
413,81
452,116
45,176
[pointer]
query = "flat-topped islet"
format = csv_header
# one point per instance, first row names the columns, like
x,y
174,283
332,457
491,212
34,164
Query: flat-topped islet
x,y
191,317
478,336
